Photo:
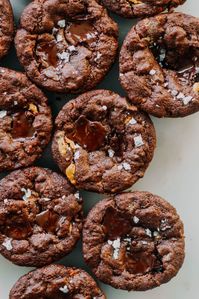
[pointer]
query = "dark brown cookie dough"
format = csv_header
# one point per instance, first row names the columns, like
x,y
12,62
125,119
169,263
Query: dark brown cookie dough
x,y
134,241
25,120
102,143
56,282
66,45
6,26
140,8
40,217
159,65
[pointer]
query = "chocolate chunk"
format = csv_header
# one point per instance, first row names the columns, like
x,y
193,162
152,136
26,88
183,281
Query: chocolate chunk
x,y
159,65
140,8
56,282
25,121
102,143
40,217
66,46
6,26
133,241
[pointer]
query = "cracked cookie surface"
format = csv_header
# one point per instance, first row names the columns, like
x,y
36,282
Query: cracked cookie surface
x,y
25,121
56,281
66,46
133,241
140,8
40,217
159,65
6,26
102,143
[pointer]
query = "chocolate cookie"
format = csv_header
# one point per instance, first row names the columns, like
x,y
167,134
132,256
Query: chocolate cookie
x,y
25,121
40,217
66,45
102,143
56,282
159,65
6,26
140,8
134,241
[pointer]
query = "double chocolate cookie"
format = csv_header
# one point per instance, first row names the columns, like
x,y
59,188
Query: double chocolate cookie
x,y
66,45
40,217
159,65
134,241
140,8
56,282
6,26
25,121
102,143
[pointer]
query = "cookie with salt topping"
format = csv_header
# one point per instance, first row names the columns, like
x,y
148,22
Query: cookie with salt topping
x,y
102,143
134,241
56,281
159,65
140,8
66,46
40,217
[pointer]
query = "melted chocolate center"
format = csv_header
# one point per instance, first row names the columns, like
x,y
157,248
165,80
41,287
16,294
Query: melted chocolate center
x,y
115,225
22,125
81,32
18,231
48,52
88,134
186,66
140,262
48,221
137,261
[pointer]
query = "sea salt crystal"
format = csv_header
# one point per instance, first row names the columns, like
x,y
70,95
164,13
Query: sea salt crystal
x,y
77,195
104,107
180,96
136,219
59,38
7,244
187,99
152,72
64,289
27,193
126,166
72,48
76,155
46,199
64,56
174,92
3,113
111,153
61,23
138,141
116,245
132,121
148,232
156,234
98,56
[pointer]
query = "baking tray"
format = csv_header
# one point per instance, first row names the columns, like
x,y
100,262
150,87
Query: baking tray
x,y
173,174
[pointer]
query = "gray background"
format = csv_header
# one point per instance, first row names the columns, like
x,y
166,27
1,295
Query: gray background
x,y
173,174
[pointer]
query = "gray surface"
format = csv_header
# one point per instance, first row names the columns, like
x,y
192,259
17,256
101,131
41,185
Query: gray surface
x,y
173,174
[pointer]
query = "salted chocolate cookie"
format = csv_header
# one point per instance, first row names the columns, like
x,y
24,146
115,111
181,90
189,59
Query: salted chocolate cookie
x,y
66,45
40,217
6,26
25,120
140,8
159,65
56,282
134,241
102,143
